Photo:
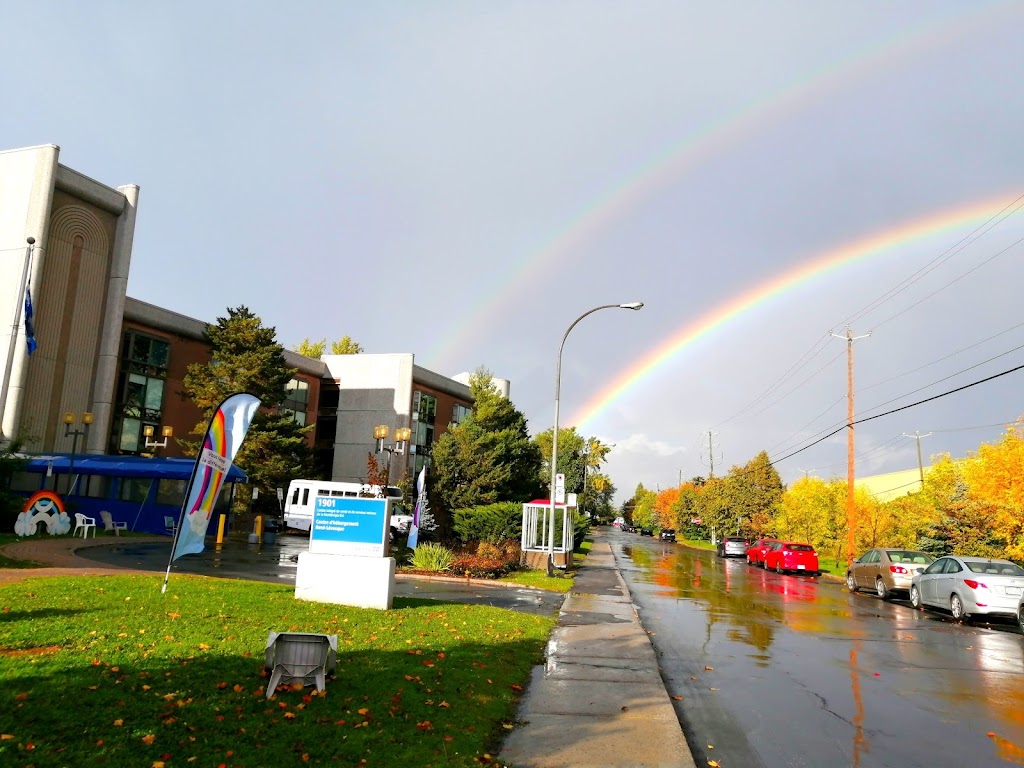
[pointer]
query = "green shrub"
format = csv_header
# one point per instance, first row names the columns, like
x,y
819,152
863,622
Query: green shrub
x,y
492,523
432,557
482,567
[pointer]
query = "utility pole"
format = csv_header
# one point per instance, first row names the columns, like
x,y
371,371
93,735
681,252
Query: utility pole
x,y
920,465
711,452
851,507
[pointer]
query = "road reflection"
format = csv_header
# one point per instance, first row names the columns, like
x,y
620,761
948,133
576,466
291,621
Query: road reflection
x,y
856,674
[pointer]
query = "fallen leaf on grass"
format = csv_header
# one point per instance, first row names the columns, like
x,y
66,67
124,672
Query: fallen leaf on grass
x,y
514,687
290,715
21,697
6,736
364,711
119,721
149,738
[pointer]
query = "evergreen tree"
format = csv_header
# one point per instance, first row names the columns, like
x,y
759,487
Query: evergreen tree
x,y
247,358
487,458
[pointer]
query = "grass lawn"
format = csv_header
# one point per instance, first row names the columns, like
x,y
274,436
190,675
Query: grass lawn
x,y
539,579
106,671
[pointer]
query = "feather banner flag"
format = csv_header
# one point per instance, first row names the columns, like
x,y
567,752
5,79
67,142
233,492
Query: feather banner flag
x,y
224,437
421,498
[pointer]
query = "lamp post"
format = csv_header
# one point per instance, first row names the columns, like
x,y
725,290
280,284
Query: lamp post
x,y
402,436
635,305
165,432
69,421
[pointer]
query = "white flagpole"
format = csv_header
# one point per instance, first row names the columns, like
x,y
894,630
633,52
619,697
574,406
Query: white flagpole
x,y
19,302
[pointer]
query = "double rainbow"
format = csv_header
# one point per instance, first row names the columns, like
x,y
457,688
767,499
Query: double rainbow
x,y
865,248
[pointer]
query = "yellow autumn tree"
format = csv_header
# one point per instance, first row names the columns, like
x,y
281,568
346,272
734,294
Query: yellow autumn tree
x,y
995,478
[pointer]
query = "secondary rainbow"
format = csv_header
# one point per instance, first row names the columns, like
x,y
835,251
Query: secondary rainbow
x,y
873,245
670,165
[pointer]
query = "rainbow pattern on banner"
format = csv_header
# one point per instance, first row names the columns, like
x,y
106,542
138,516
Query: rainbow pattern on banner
x,y
673,163
224,437
841,256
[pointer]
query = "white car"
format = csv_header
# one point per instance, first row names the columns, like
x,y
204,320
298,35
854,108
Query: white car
x,y
969,586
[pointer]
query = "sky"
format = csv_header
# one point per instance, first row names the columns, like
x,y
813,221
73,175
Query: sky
x,y
462,180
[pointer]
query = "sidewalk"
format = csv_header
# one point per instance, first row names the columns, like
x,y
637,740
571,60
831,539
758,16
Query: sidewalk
x,y
599,700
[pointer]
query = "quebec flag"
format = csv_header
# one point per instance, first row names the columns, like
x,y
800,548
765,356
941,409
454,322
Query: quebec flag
x,y
30,331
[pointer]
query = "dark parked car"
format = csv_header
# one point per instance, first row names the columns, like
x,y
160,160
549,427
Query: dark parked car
x,y
733,546
667,534
646,531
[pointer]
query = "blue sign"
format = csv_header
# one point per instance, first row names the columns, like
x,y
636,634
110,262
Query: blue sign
x,y
346,525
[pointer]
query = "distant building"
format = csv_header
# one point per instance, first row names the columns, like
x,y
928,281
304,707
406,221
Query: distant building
x,y
892,485
124,360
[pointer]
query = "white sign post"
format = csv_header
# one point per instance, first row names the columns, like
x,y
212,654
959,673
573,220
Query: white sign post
x,y
347,562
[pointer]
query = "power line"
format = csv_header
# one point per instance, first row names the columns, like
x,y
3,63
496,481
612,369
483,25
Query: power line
x,y
942,258
982,426
945,357
945,378
951,282
779,399
816,349
901,408
805,426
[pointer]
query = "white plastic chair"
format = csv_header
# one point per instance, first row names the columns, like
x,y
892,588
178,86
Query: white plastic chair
x,y
109,524
170,524
85,523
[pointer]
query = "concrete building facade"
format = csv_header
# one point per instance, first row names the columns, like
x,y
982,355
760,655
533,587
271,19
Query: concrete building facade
x,y
125,360
78,277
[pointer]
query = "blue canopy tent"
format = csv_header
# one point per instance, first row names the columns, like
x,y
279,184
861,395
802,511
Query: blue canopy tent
x,y
135,490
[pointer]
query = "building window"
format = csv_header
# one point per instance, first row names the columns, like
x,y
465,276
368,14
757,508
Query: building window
x,y
459,413
424,410
296,402
140,390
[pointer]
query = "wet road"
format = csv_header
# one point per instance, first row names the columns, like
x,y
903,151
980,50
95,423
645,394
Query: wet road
x,y
277,563
791,671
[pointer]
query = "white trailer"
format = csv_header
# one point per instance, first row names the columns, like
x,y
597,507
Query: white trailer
x,y
301,498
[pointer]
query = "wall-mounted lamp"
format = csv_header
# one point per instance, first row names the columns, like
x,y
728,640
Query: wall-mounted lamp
x,y
165,432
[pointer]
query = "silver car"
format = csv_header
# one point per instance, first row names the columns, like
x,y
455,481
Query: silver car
x,y
1020,613
733,546
969,586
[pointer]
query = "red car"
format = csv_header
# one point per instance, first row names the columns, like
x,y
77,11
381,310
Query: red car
x,y
786,556
755,553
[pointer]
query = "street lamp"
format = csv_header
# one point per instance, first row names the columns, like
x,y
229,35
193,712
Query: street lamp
x,y
165,432
634,305
402,436
69,421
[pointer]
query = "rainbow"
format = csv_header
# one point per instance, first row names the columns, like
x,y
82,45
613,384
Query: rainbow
x,y
670,165
873,245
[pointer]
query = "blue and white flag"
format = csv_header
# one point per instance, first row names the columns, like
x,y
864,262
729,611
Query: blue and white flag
x,y
421,498
30,330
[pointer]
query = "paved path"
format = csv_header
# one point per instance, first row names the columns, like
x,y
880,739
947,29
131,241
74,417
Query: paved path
x,y
599,700
274,563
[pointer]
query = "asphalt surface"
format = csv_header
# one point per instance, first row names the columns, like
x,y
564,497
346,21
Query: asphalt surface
x,y
277,563
792,671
